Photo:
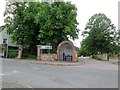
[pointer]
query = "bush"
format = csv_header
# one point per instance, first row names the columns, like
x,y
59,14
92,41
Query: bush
x,y
12,53
29,53
96,57
30,56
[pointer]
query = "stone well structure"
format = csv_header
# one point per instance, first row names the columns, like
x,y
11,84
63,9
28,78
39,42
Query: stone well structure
x,y
66,51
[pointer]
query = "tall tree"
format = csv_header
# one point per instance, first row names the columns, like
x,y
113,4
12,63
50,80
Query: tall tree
x,y
42,23
59,21
100,35
19,26
117,50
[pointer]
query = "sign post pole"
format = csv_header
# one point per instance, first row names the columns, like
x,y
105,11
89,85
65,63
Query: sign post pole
x,y
7,51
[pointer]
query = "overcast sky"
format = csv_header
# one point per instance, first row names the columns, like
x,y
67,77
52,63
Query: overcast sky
x,y
86,8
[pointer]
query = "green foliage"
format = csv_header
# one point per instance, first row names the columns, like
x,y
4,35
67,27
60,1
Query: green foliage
x,y
59,21
42,23
117,50
96,57
100,35
31,56
12,53
27,55
83,52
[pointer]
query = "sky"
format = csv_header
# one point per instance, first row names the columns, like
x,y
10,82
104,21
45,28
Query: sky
x,y
85,9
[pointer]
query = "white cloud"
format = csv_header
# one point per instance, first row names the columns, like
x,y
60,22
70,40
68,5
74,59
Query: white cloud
x,y
2,8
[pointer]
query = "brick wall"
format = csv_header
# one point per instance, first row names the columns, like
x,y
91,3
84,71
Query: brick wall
x,y
48,57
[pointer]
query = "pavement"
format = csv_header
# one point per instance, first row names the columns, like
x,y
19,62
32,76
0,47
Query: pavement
x,y
59,63
87,73
81,61
54,63
13,85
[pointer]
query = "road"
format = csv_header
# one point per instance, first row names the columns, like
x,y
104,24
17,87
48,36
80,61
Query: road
x,y
92,74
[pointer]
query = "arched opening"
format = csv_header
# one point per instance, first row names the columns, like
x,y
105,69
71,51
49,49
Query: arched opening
x,y
66,51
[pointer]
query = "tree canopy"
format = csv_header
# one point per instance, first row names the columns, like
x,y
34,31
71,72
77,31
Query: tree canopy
x,y
100,36
33,23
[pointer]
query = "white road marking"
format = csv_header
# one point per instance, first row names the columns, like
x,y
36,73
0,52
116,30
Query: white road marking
x,y
10,73
2,74
15,71
36,68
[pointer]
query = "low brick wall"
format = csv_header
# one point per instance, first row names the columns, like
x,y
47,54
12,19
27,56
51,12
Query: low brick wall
x,y
48,57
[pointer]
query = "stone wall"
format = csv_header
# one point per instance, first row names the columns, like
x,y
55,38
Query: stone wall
x,y
48,57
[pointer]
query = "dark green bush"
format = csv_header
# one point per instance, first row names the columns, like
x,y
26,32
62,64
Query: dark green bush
x,y
27,54
30,56
96,57
12,53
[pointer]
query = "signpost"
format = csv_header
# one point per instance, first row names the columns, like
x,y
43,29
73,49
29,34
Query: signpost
x,y
45,47
5,41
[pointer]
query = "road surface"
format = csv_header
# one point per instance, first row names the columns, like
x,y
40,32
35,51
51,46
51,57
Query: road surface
x,y
92,74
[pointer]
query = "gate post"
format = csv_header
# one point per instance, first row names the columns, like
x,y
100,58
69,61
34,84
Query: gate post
x,y
19,51
38,52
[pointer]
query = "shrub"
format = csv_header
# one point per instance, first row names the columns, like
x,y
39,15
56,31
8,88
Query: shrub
x,y
30,56
96,57
27,54
12,53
